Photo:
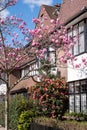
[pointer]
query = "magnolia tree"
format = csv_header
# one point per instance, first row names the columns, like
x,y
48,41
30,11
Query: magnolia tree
x,y
57,37
13,37
5,3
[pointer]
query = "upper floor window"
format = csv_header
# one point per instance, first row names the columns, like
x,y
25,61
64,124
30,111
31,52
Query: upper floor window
x,y
51,53
77,87
78,35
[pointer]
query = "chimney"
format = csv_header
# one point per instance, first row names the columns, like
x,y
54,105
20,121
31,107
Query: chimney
x,y
57,5
57,10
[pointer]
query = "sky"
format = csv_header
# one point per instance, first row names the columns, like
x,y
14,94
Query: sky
x,y
28,9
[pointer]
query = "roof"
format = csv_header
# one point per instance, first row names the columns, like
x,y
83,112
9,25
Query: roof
x,y
51,10
23,85
70,8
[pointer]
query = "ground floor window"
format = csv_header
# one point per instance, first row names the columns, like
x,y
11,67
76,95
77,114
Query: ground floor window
x,y
78,96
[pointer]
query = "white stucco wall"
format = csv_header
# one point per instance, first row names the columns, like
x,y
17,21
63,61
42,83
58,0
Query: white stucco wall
x,y
77,73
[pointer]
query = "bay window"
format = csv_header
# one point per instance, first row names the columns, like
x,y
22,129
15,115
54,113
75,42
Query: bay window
x,y
78,96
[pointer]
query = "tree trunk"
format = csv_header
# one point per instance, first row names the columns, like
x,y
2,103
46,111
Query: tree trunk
x,y
7,105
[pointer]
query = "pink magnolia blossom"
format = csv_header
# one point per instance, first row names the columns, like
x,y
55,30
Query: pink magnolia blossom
x,y
11,54
12,2
12,18
6,60
2,21
52,21
35,20
40,36
35,43
44,50
27,39
41,56
77,65
32,32
83,60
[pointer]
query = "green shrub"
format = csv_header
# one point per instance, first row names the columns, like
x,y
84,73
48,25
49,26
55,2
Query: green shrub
x,y
85,115
18,104
24,104
26,119
51,97
2,113
13,112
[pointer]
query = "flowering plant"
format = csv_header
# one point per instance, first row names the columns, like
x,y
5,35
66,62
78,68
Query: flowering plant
x,y
51,97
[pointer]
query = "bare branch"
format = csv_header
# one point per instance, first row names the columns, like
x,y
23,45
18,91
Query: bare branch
x,y
5,3
3,80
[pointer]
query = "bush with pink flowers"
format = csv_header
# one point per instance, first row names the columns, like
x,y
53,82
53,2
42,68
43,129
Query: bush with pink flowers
x,y
51,97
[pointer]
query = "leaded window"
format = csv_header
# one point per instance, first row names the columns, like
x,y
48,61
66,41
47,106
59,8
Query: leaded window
x,y
78,96
77,32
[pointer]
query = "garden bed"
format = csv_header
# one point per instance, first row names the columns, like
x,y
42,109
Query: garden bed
x,y
51,124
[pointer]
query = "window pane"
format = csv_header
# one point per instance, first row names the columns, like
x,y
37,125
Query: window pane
x,y
81,26
70,38
83,86
75,30
71,103
83,102
77,103
76,47
52,57
71,88
81,43
77,87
